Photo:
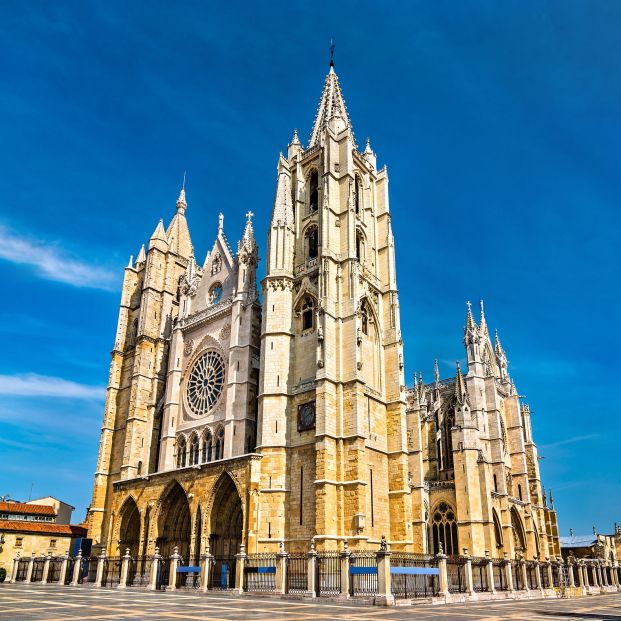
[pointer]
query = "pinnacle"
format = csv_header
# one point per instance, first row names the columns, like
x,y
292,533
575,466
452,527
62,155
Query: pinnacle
x,y
159,232
461,392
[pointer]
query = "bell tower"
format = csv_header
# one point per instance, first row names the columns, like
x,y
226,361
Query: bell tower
x,y
332,423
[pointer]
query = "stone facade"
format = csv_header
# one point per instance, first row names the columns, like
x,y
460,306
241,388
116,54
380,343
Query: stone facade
x,y
229,422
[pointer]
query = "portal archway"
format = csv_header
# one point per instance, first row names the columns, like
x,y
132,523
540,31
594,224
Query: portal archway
x,y
226,520
174,523
129,532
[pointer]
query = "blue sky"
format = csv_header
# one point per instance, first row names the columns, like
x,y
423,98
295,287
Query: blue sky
x,y
500,127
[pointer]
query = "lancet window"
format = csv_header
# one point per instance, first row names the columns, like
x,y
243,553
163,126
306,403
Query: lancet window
x,y
312,243
181,452
308,313
313,191
444,530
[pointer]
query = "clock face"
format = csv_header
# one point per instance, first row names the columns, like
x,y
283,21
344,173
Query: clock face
x,y
306,416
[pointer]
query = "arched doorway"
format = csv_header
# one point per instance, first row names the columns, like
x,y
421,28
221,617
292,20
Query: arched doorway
x,y
129,532
174,523
227,519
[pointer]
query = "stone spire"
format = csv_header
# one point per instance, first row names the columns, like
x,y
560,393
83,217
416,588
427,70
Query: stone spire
x,y
295,146
247,244
471,325
282,214
421,389
461,393
332,110
177,233
159,233
436,372
142,256
483,322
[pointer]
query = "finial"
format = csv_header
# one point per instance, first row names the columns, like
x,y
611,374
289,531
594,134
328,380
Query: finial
x,y
571,532
594,530
436,371
331,53
220,222
183,186
249,216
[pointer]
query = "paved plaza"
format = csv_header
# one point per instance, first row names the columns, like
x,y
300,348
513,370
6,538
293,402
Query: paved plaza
x,y
53,603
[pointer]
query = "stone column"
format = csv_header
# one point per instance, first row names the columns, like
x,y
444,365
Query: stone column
x,y
312,570
595,576
345,557
63,570
240,568
46,568
508,573
30,568
155,568
101,564
550,576
490,572
207,562
77,569
15,567
570,569
444,592
468,574
281,570
127,559
384,579
583,576
174,563
538,576
524,574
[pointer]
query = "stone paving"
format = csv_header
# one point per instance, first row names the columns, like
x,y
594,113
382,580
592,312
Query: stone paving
x,y
53,603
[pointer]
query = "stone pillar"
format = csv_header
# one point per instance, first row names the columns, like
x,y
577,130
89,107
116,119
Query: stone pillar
x,y
550,576
30,568
570,569
468,574
508,573
127,559
490,572
63,570
207,562
345,556
595,576
174,563
312,570
584,577
77,569
444,592
281,570
384,584
46,568
538,576
15,567
101,563
240,568
155,568
524,574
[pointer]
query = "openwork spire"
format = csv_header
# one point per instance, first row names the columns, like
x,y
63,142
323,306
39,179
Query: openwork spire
x,y
331,106
471,325
483,322
461,393
436,372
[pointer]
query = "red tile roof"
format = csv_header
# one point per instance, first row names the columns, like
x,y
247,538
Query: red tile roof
x,y
22,507
24,526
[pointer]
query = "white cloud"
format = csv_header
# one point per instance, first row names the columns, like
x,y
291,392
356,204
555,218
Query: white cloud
x,y
32,385
52,263
590,436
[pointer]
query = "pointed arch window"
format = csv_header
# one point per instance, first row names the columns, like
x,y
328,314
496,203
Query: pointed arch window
x,y
312,243
181,452
359,246
358,195
313,191
497,531
206,456
308,313
519,538
444,530
219,452
449,423
364,319
193,450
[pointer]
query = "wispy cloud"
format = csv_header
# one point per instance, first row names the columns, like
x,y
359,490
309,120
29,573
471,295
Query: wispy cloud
x,y
582,438
52,262
32,385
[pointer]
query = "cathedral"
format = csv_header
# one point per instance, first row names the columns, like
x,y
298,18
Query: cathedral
x,y
283,418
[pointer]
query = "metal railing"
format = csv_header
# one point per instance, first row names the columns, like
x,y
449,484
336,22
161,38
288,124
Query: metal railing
x,y
480,582
111,574
531,574
222,574
297,573
139,571
500,578
518,576
260,572
455,574
556,580
328,579
411,586
37,569
22,569
364,581
54,571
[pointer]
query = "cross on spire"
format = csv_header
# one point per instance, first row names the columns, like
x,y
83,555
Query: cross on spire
x,y
249,215
331,53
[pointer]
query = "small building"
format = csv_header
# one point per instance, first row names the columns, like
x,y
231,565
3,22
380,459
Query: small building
x,y
38,528
590,547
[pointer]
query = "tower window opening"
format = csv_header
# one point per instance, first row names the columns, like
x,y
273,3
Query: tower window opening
x,y
495,483
520,492
308,314
358,195
359,246
313,203
312,243
181,453
220,444
193,451
364,319
449,422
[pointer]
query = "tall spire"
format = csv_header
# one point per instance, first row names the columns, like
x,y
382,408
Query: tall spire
x,y
436,372
471,325
331,108
483,322
177,233
282,214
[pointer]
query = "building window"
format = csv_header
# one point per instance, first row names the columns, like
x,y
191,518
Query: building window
x,y
306,416
194,450
312,243
449,423
52,543
358,195
313,193
308,314
220,444
497,531
215,293
206,447
205,383
364,319
19,541
444,530
520,492
359,246
181,453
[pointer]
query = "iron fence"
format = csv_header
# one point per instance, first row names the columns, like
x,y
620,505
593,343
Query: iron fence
x,y
545,577
22,569
500,578
480,582
139,571
111,575
556,579
53,574
222,574
456,574
365,582
576,569
188,579
163,573
297,573
37,569
260,572
531,574
89,570
328,577
411,586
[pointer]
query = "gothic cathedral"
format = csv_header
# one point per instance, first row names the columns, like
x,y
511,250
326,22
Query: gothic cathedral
x,y
233,419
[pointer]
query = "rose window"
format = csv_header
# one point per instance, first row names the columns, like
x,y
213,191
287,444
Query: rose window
x,y
205,383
